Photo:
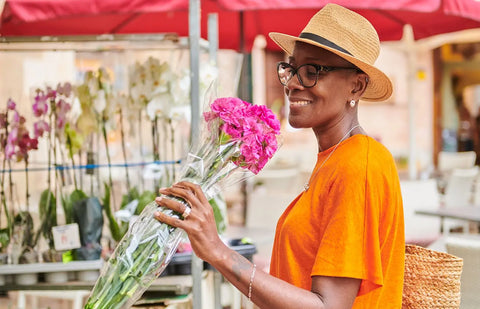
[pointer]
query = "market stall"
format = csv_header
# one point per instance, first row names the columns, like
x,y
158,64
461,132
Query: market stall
x,y
113,156
113,30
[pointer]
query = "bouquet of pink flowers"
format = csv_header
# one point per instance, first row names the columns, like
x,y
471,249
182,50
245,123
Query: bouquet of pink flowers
x,y
237,135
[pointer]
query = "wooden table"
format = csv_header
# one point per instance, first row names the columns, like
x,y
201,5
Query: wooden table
x,y
468,213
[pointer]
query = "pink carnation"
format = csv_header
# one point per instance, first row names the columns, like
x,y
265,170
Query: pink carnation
x,y
252,127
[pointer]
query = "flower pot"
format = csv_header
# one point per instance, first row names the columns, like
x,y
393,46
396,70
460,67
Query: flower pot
x,y
56,277
3,258
26,279
52,256
88,275
30,256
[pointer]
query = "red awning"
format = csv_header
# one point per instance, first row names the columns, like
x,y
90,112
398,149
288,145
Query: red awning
x,y
95,17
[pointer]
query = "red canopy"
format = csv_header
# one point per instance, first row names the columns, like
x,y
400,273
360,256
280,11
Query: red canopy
x,y
94,17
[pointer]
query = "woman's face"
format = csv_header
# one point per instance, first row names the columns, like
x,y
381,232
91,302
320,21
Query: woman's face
x,y
327,103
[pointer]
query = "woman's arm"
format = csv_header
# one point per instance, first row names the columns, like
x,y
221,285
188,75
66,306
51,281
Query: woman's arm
x,y
266,290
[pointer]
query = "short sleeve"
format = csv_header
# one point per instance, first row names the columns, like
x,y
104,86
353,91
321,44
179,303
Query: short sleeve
x,y
350,244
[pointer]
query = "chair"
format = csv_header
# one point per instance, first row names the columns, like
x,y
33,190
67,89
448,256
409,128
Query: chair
x,y
459,192
420,194
467,248
447,161
460,186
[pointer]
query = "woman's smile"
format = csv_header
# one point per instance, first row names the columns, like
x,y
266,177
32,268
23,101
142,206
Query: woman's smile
x,y
299,103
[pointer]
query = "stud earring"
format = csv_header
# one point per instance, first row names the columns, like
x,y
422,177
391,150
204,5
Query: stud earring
x,y
352,103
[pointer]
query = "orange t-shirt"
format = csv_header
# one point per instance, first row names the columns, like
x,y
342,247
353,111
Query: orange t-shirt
x,y
348,224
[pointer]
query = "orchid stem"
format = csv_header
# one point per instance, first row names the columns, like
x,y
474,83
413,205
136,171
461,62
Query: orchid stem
x,y
27,192
172,141
104,131
70,153
141,143
124,151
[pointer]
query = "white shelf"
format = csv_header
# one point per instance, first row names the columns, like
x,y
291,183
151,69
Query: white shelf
x,y
50,267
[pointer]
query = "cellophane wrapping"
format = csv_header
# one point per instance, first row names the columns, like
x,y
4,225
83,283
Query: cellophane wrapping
x,y
236,136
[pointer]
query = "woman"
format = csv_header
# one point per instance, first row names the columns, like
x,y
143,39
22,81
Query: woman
x,y
340,243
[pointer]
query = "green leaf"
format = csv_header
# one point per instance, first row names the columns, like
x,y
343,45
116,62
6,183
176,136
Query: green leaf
x,y
23,220
75,196
220,212
4,239
48,216
145,198
115,230
130,196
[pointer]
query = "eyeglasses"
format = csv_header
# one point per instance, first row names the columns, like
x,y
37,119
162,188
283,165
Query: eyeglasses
x,y
307,74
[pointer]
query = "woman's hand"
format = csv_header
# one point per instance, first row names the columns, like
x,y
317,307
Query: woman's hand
x,y
199,224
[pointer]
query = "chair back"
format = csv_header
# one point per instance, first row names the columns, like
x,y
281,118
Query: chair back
x,y
447,161
460,186
420,194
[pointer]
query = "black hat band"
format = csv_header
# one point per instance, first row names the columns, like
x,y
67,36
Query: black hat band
x,y
323,41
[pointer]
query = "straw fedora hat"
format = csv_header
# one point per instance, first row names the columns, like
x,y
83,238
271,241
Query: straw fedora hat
x,y
350,36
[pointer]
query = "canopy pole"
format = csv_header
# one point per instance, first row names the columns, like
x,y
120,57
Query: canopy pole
x,y
212,51
194,38
410,50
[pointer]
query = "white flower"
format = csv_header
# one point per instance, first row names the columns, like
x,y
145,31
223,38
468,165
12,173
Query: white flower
x,y
160,105
100,101
180,112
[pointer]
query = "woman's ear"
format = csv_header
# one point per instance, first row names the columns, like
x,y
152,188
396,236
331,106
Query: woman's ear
x,y
360,85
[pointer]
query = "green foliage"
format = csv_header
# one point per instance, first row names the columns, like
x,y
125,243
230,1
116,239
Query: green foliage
x,y
75,196
4,239
220,212
143,199
130,196
47,209
23,220
116,230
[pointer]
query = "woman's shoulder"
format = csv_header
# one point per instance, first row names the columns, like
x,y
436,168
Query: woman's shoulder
x,y
364,151
365,144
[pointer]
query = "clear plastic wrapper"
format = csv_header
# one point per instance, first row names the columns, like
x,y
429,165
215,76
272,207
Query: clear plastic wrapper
x,y
237,136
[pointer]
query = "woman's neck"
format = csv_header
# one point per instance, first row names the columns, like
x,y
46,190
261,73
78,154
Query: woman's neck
x,y
335,135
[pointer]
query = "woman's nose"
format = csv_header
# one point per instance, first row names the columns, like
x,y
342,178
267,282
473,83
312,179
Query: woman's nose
x,y
294,83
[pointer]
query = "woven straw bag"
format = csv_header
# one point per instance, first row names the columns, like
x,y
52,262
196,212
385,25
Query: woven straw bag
x,y
432,279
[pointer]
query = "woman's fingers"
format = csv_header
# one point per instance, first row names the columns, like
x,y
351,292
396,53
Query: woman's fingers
x,y
173,221
171,204
195,189
188,191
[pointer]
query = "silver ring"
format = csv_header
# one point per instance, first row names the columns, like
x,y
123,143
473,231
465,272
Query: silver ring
x,y
187,212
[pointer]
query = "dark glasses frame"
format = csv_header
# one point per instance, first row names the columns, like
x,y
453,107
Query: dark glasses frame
x,y
319,68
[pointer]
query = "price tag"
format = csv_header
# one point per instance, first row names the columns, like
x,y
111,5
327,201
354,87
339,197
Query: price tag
x,y
66,237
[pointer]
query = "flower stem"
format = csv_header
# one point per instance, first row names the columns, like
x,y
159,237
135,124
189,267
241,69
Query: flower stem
x,y
140,140
27,192
172,142
105,138
70,153
124,151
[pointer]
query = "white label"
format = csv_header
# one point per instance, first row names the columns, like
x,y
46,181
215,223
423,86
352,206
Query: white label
x,y
66,237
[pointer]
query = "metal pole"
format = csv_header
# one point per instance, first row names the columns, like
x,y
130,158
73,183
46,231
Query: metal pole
x,y
213,37
411,53
212,49
194,38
